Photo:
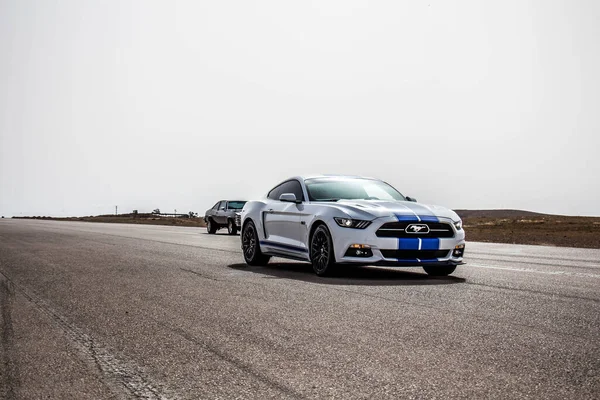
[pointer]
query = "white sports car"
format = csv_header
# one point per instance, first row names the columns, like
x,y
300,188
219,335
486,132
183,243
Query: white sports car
x,y
334,220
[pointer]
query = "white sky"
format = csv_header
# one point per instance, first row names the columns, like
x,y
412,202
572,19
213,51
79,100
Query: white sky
x,y
175,105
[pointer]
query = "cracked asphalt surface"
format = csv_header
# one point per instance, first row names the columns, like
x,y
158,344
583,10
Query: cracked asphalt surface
x,y
111,311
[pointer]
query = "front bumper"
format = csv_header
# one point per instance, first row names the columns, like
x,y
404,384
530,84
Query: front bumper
x,y
384,263
392,251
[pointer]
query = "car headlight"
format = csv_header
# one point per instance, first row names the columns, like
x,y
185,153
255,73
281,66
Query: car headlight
x,y
352,223
458,225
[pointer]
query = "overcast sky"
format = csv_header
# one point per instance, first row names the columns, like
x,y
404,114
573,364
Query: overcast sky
x,y
175,105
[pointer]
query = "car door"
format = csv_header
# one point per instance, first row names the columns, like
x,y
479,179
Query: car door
x,y
212,212
220,217
282,220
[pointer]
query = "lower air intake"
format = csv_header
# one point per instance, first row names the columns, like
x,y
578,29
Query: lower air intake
x,y
412,254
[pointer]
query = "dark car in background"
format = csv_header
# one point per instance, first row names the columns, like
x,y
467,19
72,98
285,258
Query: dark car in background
x,y
225,213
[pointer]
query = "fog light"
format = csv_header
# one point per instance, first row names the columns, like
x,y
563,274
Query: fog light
x,y
359,250
458,250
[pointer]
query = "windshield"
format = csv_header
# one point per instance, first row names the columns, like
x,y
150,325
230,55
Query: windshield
x,y
236,205
328,189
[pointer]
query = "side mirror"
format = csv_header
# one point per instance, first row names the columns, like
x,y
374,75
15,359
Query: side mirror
x,y
411,199
222,208
289,198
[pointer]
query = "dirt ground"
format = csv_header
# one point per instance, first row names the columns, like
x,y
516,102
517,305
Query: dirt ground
x,y
498,226
199,222
521,227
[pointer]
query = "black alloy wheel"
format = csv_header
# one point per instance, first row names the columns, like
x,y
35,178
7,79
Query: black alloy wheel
x,y
251,247
321,251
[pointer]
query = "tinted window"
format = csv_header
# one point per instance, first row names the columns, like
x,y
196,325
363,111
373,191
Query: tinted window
x,y
274,193
292,186
235,205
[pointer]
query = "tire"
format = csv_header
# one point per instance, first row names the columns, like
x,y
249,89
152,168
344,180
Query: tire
x,y
321,251
443,270
231,228
251,247
211,227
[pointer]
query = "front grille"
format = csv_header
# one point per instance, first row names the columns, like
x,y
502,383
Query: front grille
x,y
412,254
398,230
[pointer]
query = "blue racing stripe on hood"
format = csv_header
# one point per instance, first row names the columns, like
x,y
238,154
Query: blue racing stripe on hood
x,y
407,218
429,218
416,218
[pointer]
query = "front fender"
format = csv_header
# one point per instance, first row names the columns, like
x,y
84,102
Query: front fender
x,y
253,211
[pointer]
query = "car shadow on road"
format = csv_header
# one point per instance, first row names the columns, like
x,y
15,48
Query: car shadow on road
x,y
348,275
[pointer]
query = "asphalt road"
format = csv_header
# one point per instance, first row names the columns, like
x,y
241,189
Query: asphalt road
x,y
109,311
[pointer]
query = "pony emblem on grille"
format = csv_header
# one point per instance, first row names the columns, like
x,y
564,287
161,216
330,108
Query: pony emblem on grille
x,y
417,228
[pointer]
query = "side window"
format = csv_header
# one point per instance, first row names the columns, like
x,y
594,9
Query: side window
x,y
222,204
292,186
275,192
296,188
216,206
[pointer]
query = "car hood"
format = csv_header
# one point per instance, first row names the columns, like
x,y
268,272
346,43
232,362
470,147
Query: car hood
x,y
377,209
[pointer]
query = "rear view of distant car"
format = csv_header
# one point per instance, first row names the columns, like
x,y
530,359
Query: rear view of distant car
x,y
225,213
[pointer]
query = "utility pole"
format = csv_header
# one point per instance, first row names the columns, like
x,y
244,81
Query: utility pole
x,y
116,208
